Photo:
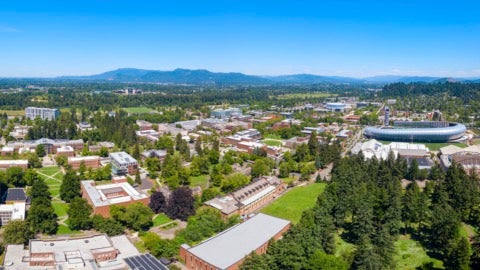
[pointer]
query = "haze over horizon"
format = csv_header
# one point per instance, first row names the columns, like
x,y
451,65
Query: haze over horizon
x,y
346,38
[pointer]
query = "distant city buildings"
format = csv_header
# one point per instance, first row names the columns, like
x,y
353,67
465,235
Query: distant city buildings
x,y
101,197
43,113
123,163
226,113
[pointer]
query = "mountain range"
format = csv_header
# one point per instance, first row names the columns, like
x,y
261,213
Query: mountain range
x,y
202,76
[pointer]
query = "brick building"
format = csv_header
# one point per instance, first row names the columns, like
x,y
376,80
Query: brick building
x,y
103,196
89,161
90,252
228,249
5,164
50,145
250,198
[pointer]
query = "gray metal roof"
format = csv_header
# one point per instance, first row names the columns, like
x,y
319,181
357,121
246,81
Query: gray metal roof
x,y
232,245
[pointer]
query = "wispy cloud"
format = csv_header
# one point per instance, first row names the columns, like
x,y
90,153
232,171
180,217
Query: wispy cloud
x,y
8,29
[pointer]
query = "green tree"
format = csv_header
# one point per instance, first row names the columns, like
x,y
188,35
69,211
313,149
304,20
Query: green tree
x,y
413,170
79,214
40,150
39,190
259,168
313,143
70,187
15,176
320,260
42,217
17,232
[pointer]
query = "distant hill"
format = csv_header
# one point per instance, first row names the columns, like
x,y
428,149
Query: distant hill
x,y
202,76
177,76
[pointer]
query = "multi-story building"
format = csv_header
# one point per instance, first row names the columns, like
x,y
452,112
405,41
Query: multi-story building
x,y
89,253
250,198
227,113
228,249
89,161
103,196
12,211
50,145
43,113
66,151
123,163
5,164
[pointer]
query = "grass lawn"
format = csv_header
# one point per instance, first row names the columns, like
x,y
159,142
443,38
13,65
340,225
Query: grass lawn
x,y
137,109
343,249
270,142
60,208
52,182
49,170
201,180
292,204
160,220
62,229
410,254
54,192
272,136
13,113
288,180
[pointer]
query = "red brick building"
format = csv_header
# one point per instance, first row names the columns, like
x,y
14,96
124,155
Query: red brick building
x,y
103,196
228,249
89,161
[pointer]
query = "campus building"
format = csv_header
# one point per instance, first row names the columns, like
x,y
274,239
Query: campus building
x,y
5,164
43,113
123,163
51,146
14,207
417,131
103,196
228,249
248,199
89,161
89,253
227,113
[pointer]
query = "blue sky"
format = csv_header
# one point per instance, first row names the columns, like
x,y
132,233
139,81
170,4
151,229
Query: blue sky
x,y
347,38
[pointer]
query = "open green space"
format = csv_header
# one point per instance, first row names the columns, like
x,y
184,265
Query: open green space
x,y
13,112
292,204
60,208
49,170
288,180
63,229
54,192
410,254
161,219
343,248
201,180
272,136
137,110
271,142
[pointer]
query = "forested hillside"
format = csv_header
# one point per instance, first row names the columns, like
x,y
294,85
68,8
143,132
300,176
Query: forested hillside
x,y
365,205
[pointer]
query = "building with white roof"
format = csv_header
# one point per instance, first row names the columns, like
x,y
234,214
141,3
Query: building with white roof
x,y
12,211
123,163
228,249
7,163
43,113
90,253
249,198
103,196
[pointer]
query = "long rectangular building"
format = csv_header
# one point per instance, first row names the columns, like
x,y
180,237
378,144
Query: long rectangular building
x,y
248,199
228,249
43,113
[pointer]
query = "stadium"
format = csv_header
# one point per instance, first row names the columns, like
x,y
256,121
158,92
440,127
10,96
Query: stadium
x,y
415,131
